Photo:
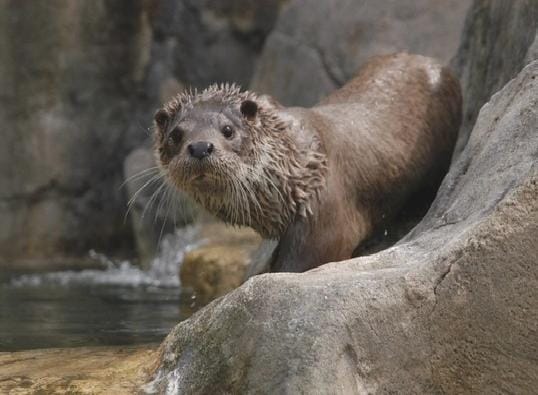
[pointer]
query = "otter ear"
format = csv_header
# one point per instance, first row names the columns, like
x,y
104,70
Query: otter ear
x,y
161,118
249,109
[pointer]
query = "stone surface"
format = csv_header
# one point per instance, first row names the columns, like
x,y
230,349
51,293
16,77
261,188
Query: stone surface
x,y
495,42
84,370
199,42
64,108
219,265
79,82
317,46
449,309
211,41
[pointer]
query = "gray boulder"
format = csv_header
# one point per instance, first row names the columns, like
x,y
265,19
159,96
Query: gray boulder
x,y
496,45
449,309
67,70
211,41
79,82
317,46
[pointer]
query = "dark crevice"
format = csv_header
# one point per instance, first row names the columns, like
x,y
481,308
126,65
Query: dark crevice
x,y
333,78
332,74
52,188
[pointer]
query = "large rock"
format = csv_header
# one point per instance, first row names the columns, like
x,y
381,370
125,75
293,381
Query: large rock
x,y
211,41
495,47
200,42
220,263
67,70
79,83
450,309
317,46
77,370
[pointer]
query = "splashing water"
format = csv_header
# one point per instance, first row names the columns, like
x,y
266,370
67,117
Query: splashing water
x,y
163,271
121,304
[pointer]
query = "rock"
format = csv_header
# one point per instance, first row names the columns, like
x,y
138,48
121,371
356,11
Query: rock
x,y
213,271
220,264
64,109
532,52
154,209
496,38
79,84
328,41
212,40
196,43
82,370
449,309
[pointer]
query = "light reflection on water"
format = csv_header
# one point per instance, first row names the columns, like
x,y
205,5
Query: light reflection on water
x,y
117,306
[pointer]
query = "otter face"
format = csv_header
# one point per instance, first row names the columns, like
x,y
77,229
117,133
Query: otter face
x,y
203,146
233,153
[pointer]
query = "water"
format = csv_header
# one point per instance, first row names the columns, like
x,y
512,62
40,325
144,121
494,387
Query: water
x,y
117,306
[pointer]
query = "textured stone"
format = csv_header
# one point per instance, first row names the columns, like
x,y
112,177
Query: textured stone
x,y
220,264
212,40
495,47
82,370
449,309
317,46
67,70
79,82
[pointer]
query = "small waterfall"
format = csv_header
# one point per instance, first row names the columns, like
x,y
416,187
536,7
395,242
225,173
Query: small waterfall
x,y
163,271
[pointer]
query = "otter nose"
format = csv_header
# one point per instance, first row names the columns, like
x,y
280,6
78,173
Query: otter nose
x,y
200,149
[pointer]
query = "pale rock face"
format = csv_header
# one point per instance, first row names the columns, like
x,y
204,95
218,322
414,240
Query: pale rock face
x,y
327,42
496,44
79,370
64,109
79,82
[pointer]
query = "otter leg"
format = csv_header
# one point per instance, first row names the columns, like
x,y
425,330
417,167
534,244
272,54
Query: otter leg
x,y
307,244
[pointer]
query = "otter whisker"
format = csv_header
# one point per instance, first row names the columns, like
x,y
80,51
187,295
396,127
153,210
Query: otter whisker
x,y
133,198
153,179
152,199
147,131
140,174
158,211
165,216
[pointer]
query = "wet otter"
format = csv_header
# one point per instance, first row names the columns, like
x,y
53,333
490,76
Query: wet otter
x,y
318,179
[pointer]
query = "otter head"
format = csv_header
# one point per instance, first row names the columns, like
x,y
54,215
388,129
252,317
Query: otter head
x,y
231,152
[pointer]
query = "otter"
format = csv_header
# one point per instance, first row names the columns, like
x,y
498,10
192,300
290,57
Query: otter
x,y
320,180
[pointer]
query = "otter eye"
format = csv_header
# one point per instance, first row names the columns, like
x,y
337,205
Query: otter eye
x,y
227,131
174,137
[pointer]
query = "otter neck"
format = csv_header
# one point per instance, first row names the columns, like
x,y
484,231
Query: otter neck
x,y
290,175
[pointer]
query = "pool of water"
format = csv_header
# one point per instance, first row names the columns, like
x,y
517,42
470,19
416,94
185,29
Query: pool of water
x,y
117,306
48,316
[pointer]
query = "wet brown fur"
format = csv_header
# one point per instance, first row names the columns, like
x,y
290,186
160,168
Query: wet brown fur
x,y
320,180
